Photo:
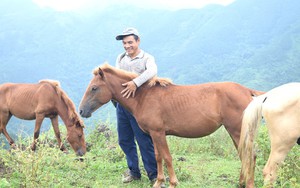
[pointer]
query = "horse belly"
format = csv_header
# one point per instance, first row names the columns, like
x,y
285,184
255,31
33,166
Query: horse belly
x,y
23,113
189,130
22,107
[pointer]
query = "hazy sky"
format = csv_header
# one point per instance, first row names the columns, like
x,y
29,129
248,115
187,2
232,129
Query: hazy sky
x,y
66,5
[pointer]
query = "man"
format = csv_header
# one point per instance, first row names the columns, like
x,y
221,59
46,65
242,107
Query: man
x,y
135,60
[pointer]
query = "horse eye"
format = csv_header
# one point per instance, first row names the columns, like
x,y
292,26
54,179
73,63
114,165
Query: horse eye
x,y
94,88
78,124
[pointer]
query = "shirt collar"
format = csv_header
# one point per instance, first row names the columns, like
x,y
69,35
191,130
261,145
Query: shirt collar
x,y
139,56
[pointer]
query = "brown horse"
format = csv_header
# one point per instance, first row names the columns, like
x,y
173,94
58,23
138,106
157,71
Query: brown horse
x,y
166,109
38,101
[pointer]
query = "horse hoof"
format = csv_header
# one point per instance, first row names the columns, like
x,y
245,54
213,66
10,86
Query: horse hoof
x,y
159,185
13,146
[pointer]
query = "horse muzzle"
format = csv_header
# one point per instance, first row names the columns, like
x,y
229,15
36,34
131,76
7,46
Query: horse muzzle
x,y
80,152
84,113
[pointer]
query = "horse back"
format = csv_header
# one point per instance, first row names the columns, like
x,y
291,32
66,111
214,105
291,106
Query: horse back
x,y
186,99
282,104
235,98
203,107
24,100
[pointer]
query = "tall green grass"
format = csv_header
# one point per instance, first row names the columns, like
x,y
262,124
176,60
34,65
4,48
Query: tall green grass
x,y
206,162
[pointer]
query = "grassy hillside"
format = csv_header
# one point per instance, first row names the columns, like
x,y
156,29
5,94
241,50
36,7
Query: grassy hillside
x,y
207,162
253,42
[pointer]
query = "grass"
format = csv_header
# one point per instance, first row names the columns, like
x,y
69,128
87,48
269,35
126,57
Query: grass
x,y
207,162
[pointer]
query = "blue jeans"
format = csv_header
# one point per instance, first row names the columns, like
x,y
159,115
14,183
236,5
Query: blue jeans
x,y
128,132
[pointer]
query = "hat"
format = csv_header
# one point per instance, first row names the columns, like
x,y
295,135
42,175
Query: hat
x,y
126,32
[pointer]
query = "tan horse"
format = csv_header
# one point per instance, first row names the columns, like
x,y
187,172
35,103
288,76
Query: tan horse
x,y
184,111
280,109
38,101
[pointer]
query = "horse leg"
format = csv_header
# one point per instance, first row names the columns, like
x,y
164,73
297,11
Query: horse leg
x,y
4,118
160,171
160,142
38,123
234,131
235,136
54,122
279,151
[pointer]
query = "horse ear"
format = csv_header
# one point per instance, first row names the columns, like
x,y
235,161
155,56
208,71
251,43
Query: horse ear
x,y
101,73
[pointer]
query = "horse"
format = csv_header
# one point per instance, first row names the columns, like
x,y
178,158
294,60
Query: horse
x,y
280,109
162,108
37,101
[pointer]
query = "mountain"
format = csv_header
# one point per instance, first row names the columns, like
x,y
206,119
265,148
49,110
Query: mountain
x,y
255,43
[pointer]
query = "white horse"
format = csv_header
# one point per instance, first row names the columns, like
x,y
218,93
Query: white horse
x,y
280,108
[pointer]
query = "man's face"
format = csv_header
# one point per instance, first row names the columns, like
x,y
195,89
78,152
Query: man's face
x,y
131,46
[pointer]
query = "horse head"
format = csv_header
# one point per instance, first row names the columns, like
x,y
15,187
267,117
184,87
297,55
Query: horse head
x,y
96,94
75,136
74,125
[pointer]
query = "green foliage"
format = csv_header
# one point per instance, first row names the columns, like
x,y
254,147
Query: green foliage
x,y
208,162
194,160
102,143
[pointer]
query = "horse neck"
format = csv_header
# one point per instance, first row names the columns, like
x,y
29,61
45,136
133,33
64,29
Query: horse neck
x,y
116,88
128,103
64,111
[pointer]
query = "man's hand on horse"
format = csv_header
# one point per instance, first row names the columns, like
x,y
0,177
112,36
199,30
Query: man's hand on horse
x,y
130,88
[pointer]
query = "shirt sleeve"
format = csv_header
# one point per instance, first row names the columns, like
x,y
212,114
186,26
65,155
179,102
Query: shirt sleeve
x,y
150,72
118,61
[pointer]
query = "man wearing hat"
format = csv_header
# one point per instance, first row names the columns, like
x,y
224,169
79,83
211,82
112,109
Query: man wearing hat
x,y
135,60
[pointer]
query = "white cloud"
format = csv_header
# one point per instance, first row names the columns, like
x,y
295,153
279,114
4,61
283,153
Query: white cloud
x,y
66,5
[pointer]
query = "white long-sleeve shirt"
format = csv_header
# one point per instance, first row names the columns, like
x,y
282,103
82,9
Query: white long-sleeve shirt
x,y
143,64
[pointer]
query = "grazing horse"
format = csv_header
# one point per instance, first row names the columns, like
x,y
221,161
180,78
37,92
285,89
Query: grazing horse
x,y
38,101
280,109
162,108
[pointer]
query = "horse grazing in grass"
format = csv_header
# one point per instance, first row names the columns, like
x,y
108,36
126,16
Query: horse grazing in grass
x,y
38,101
167,109
280,109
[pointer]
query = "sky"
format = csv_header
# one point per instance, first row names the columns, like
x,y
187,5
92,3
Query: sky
x,y
73,5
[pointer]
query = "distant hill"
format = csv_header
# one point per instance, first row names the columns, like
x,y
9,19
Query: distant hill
x,y
253,42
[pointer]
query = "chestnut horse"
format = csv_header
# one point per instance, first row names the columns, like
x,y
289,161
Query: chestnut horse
x,y
280,109
167,109
38,101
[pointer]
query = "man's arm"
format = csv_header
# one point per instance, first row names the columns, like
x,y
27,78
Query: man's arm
x,y
150,72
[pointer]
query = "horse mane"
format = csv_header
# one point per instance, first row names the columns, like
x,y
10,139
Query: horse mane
x,y
122,73
161,81
69,103
54,83
110,69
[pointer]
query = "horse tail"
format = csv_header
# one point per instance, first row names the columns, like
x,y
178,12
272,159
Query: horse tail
x,y
251,121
